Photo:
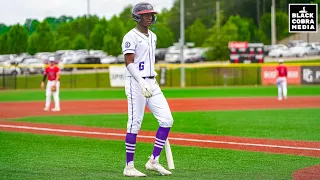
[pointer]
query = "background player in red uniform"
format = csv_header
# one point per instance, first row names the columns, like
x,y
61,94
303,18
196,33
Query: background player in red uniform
x,y
53,84
281,80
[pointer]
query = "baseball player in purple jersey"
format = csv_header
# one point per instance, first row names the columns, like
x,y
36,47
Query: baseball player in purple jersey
x,y
142,89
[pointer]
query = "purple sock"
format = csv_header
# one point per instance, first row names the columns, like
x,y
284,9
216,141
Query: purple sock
x,y
161,137
130,146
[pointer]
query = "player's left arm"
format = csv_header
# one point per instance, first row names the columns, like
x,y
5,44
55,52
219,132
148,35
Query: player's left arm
x,y
57,76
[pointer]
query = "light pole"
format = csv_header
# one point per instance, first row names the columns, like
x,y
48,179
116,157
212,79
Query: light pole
x,y
182,81
273,23
88,26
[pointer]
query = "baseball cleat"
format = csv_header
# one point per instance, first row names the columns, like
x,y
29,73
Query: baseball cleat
x,y
131,171
46,109
154,165
55,109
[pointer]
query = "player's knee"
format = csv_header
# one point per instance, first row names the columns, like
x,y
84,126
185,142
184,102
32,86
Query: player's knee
x,y
167,122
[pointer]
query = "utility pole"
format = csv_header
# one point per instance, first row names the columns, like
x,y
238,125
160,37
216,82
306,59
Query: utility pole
x,y
273,23
258,13
218,14
182,82
88,26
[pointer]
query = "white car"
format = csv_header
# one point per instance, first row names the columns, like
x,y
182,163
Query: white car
x,y
109,60
7,68
300,50
280,51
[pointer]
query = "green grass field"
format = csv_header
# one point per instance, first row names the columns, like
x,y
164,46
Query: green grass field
x,y
86,94
27,156
30,156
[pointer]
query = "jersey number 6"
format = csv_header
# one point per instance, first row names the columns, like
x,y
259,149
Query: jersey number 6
x,y
141,66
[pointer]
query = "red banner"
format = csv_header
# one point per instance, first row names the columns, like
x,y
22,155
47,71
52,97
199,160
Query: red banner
x,y
269,73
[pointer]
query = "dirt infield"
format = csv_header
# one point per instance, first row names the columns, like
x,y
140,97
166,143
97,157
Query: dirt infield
x,y
302,148
23,109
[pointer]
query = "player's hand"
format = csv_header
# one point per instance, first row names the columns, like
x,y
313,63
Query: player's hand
x,y
42,84
146,89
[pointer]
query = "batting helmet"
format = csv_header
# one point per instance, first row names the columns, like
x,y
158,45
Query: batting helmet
x,y
143,8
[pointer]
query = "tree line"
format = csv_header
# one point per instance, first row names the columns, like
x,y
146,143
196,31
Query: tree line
x,y
240,20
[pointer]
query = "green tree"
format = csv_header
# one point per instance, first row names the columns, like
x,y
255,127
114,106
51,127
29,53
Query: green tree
x,y
164,36
80,42
111,45
63,43
33,43
4,48
4,29
243,26
197,33
45,40
65,30
114,36
97,36
218,41
31,25
282,30
18,39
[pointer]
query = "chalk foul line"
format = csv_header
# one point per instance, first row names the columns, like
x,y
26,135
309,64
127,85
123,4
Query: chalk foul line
x,y
152,137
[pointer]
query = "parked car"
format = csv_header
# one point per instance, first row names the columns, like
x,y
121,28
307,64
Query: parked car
x,y
120,58
280,51
300,50
82,60
7,69
160,53
109,60
312,50
32,66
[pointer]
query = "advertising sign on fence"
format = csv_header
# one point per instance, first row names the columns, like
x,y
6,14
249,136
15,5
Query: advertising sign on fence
x,y
117,76
269,73
310,74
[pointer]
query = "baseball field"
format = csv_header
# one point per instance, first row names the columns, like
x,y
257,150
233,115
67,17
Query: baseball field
x,y
218,133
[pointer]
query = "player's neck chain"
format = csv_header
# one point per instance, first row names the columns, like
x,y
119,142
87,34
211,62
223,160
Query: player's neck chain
x,y
146,34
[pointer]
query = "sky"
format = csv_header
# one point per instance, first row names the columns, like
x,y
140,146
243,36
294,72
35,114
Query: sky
x,y
17,11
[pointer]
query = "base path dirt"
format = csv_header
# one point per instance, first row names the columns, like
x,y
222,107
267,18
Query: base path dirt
x,y
309,173
23,109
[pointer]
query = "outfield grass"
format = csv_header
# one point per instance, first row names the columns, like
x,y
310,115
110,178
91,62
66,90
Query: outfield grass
x,y
83,94
28,156
293,124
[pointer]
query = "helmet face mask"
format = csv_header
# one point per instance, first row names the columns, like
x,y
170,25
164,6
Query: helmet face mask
x,y
143,8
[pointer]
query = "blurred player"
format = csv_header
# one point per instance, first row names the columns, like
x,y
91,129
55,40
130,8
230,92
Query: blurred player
x,y
281,80
53,85
142,89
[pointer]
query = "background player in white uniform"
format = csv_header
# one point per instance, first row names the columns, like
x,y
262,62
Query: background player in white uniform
x,y
142,90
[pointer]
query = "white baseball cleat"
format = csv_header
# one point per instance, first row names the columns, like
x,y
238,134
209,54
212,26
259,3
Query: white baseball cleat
x,y
55,109
154,165
46,109
131,171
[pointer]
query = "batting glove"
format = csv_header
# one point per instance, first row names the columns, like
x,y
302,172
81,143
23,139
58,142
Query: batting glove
x,y
146,89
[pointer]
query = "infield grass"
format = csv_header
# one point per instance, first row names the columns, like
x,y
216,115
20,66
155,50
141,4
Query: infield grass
x,y
29,156
293,124
86,94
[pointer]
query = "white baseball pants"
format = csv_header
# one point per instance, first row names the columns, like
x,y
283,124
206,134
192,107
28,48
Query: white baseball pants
x,y
55,94
157,104
282,87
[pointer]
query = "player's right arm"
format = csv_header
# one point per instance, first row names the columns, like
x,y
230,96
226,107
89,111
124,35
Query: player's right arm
x,y
44,78
128,49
